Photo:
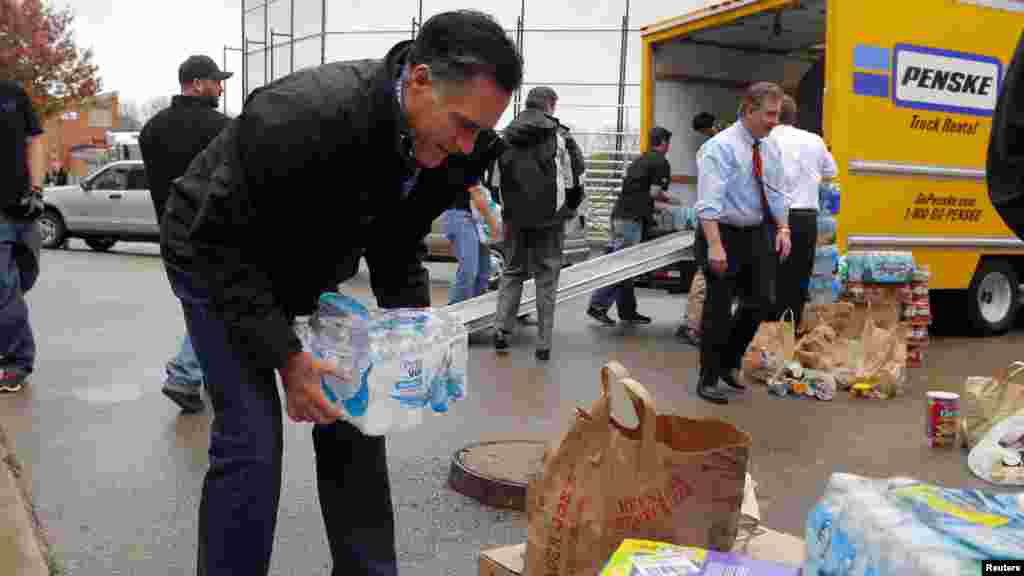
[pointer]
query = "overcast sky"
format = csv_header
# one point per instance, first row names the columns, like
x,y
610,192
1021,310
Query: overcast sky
x,y
138,44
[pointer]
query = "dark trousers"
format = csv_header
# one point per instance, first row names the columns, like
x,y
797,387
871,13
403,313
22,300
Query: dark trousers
x,y
795,271
750,277
19,269
238,510
535,252
625,233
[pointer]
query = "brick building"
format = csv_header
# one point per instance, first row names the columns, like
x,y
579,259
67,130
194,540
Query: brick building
x,y
77,138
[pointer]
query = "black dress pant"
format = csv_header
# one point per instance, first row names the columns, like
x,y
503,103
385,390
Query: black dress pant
x,y
750,277
795,271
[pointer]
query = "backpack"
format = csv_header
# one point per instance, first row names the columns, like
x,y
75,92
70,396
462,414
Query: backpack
x,y
528,183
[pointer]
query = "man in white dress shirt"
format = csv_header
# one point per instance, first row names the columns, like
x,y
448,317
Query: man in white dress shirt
x,y
807,162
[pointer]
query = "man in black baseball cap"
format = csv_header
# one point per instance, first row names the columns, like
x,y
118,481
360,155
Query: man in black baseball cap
x,y
201,68
169,141
200,76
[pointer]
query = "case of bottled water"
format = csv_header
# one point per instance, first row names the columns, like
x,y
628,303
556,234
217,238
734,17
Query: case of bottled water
x,y
402,362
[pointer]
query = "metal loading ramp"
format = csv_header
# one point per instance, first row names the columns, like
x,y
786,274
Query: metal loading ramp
x,y
585,277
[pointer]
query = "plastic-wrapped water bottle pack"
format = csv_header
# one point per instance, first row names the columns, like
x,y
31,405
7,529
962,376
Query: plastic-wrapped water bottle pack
x,y
402,362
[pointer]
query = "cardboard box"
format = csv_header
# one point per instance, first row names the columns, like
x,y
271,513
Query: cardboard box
x,y
759,543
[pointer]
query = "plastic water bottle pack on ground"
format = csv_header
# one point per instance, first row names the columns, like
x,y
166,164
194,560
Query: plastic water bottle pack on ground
x,y
403,362
873,527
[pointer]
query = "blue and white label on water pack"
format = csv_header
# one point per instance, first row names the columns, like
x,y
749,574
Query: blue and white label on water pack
x,y
410,390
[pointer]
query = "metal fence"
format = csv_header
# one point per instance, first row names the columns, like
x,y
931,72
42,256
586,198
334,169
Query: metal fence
x,y
281,36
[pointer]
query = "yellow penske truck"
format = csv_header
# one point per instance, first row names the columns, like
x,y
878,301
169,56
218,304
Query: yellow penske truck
x,y
902,91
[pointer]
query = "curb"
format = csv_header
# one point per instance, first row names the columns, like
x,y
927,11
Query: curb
x,y
23,544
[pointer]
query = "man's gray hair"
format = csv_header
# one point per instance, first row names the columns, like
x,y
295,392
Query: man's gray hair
x,y
541,97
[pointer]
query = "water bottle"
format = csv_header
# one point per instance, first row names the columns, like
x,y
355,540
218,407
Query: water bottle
x,y
404,362
828,197
340,333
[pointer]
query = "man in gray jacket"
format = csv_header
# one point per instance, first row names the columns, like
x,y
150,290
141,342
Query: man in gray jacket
x,y
540,181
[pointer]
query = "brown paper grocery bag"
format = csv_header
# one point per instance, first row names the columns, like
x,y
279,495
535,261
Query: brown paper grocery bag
x,y
777,340
880,356
820,349
671,479
835,315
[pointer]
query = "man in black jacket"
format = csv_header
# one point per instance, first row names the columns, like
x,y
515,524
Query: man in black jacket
x,y
21,180
323,167
541,190
647,178
169,141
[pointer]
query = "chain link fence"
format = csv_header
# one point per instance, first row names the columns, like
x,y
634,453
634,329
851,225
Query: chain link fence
x,y
586,65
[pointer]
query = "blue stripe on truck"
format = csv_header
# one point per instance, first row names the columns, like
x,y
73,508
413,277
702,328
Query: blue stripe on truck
x,y
870,85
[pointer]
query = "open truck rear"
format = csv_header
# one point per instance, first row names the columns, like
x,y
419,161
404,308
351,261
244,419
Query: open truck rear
x,y
903,92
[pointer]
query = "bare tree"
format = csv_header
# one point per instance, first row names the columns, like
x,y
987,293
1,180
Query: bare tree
x,y
131,117
152,106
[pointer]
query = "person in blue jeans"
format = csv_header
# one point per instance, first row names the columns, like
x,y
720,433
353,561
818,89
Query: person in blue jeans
x,y
462,230
474,256
169,141
21,182
647,178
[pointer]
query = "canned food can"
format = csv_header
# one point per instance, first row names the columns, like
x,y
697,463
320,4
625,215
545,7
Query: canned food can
x,y
942,419
922,274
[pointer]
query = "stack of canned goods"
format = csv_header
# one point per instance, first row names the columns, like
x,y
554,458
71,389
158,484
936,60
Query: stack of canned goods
x,y
918,315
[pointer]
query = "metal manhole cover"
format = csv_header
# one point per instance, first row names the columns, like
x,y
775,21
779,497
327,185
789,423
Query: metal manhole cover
x,y
496,473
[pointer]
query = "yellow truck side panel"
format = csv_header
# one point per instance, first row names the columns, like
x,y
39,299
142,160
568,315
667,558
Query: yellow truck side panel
x,y
909,94
877,113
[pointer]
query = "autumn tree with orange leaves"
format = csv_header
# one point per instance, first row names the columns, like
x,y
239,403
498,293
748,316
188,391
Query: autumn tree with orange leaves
x,y
38,50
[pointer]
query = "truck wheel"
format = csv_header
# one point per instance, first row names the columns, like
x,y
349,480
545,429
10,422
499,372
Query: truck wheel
x,y
992,297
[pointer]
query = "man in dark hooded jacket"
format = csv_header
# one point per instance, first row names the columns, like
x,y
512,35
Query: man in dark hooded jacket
x,y
540,182
323,167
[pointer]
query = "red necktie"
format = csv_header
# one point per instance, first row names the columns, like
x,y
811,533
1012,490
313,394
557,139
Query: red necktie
x,y
759,176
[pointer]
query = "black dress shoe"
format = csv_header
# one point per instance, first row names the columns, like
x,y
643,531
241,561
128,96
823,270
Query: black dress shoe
x,y
708,390
600,315
636,319
500,340
543,355
732,379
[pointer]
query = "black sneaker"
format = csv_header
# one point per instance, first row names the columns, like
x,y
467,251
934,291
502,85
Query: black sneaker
x,y
601,316
500,339
543,355
636,319
12,380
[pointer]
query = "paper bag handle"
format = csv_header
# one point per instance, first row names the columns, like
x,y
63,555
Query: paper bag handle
x,y
1013,370
792,316
647,416
611,369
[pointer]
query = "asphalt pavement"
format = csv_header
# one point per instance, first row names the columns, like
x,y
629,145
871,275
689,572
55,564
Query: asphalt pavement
x,y
116,472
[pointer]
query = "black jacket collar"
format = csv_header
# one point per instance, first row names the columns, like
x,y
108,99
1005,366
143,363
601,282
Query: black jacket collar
x,y
181,100
387,113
